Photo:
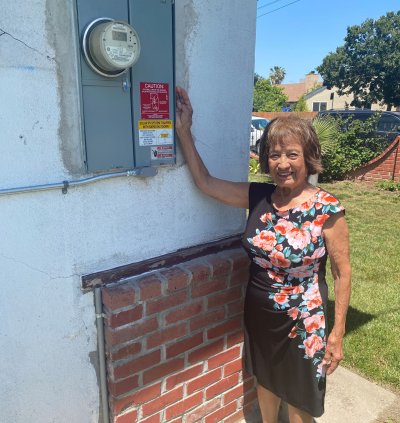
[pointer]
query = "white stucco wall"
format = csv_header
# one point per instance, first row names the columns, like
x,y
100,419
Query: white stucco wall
x,y
48,240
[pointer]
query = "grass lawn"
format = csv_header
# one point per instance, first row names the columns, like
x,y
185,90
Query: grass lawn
x,y
372,342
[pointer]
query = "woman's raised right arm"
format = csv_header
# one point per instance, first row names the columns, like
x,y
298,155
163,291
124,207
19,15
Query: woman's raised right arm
x,y
235,194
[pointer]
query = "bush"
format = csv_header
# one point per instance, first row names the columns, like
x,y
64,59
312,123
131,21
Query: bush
x,y
356,145
388,185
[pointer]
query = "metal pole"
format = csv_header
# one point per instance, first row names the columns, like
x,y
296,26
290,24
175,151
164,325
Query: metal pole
x,y
101,351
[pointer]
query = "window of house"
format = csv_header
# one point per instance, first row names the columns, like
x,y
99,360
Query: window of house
x,y
319,106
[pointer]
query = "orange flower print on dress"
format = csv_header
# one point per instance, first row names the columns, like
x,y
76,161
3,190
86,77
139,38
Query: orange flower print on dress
x,y
293,333
281,298
275,276
293,313
314,322
265,217
325,198
313,344
298,238
283,226
278,259
313,297
264,240
262,262
318,253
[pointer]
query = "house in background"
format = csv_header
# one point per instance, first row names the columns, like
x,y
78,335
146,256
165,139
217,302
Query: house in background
x,y
295,91
318,97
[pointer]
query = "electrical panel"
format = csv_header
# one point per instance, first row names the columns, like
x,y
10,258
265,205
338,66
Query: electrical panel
x,y
127,83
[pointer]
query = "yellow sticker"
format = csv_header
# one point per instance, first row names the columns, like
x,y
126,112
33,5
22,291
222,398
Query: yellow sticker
x,y
155,124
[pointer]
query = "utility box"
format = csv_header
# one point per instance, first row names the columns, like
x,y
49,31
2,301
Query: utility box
x,y
127,83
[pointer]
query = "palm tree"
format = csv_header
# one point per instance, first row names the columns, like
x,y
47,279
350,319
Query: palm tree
x,y
277,74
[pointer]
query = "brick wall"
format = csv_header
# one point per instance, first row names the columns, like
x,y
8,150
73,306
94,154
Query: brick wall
x,y
384,167
174,344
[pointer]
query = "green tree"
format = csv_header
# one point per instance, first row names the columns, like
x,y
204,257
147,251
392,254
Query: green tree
x,y
267,97
368,64
277,74
301,105
256,78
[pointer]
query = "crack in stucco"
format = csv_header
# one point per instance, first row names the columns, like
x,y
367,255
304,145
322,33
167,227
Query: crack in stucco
x,y
2,32
35,269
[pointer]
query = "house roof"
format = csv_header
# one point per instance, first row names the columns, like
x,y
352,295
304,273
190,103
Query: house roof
x,y
293,91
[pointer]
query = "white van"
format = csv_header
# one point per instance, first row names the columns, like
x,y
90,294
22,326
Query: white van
x,y
258,125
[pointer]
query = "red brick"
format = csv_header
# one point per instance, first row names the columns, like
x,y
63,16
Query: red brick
x,y
222,386
203,410
225,328
225,297
139,397
235,308
209,288
233,394
150,287
118,296
205,352
123,386
185,405
233,367
240,277
126,351
156,418
163,370
129,333
125,317
185,345
240,260
177,279
200,272
204,380
162,401
234,339
204,320
130,417
220,265
184,376
219,415
165,335
224,357
136,365
183,313
169,301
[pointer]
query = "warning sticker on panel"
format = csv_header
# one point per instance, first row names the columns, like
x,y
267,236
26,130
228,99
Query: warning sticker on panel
x,y
155,132
154,100
162,152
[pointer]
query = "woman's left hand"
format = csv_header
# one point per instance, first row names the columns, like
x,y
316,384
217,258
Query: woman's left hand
x,y
334,353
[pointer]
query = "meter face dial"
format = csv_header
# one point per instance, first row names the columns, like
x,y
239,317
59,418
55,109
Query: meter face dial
x,y
110,47
120,44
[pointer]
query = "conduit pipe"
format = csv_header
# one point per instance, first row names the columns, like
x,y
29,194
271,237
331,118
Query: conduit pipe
x,y
143,172
98,306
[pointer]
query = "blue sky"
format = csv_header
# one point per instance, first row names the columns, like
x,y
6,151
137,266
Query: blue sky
x,y
298,36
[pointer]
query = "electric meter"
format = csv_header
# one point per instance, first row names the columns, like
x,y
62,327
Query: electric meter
x,y
110,47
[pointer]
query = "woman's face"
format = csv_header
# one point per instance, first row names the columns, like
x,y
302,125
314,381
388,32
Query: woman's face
x,y
286,164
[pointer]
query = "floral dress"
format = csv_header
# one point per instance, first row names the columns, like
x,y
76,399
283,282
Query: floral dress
x,y
286,298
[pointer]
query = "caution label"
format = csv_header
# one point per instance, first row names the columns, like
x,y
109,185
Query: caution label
x,y
155,132
154,100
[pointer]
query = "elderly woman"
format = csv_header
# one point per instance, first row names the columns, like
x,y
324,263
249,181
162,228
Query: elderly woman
x,y
291,228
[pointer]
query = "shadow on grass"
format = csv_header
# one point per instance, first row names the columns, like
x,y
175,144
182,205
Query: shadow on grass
x,y
355,318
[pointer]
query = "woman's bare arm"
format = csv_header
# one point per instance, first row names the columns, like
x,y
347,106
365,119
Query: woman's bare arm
x,y
336,235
